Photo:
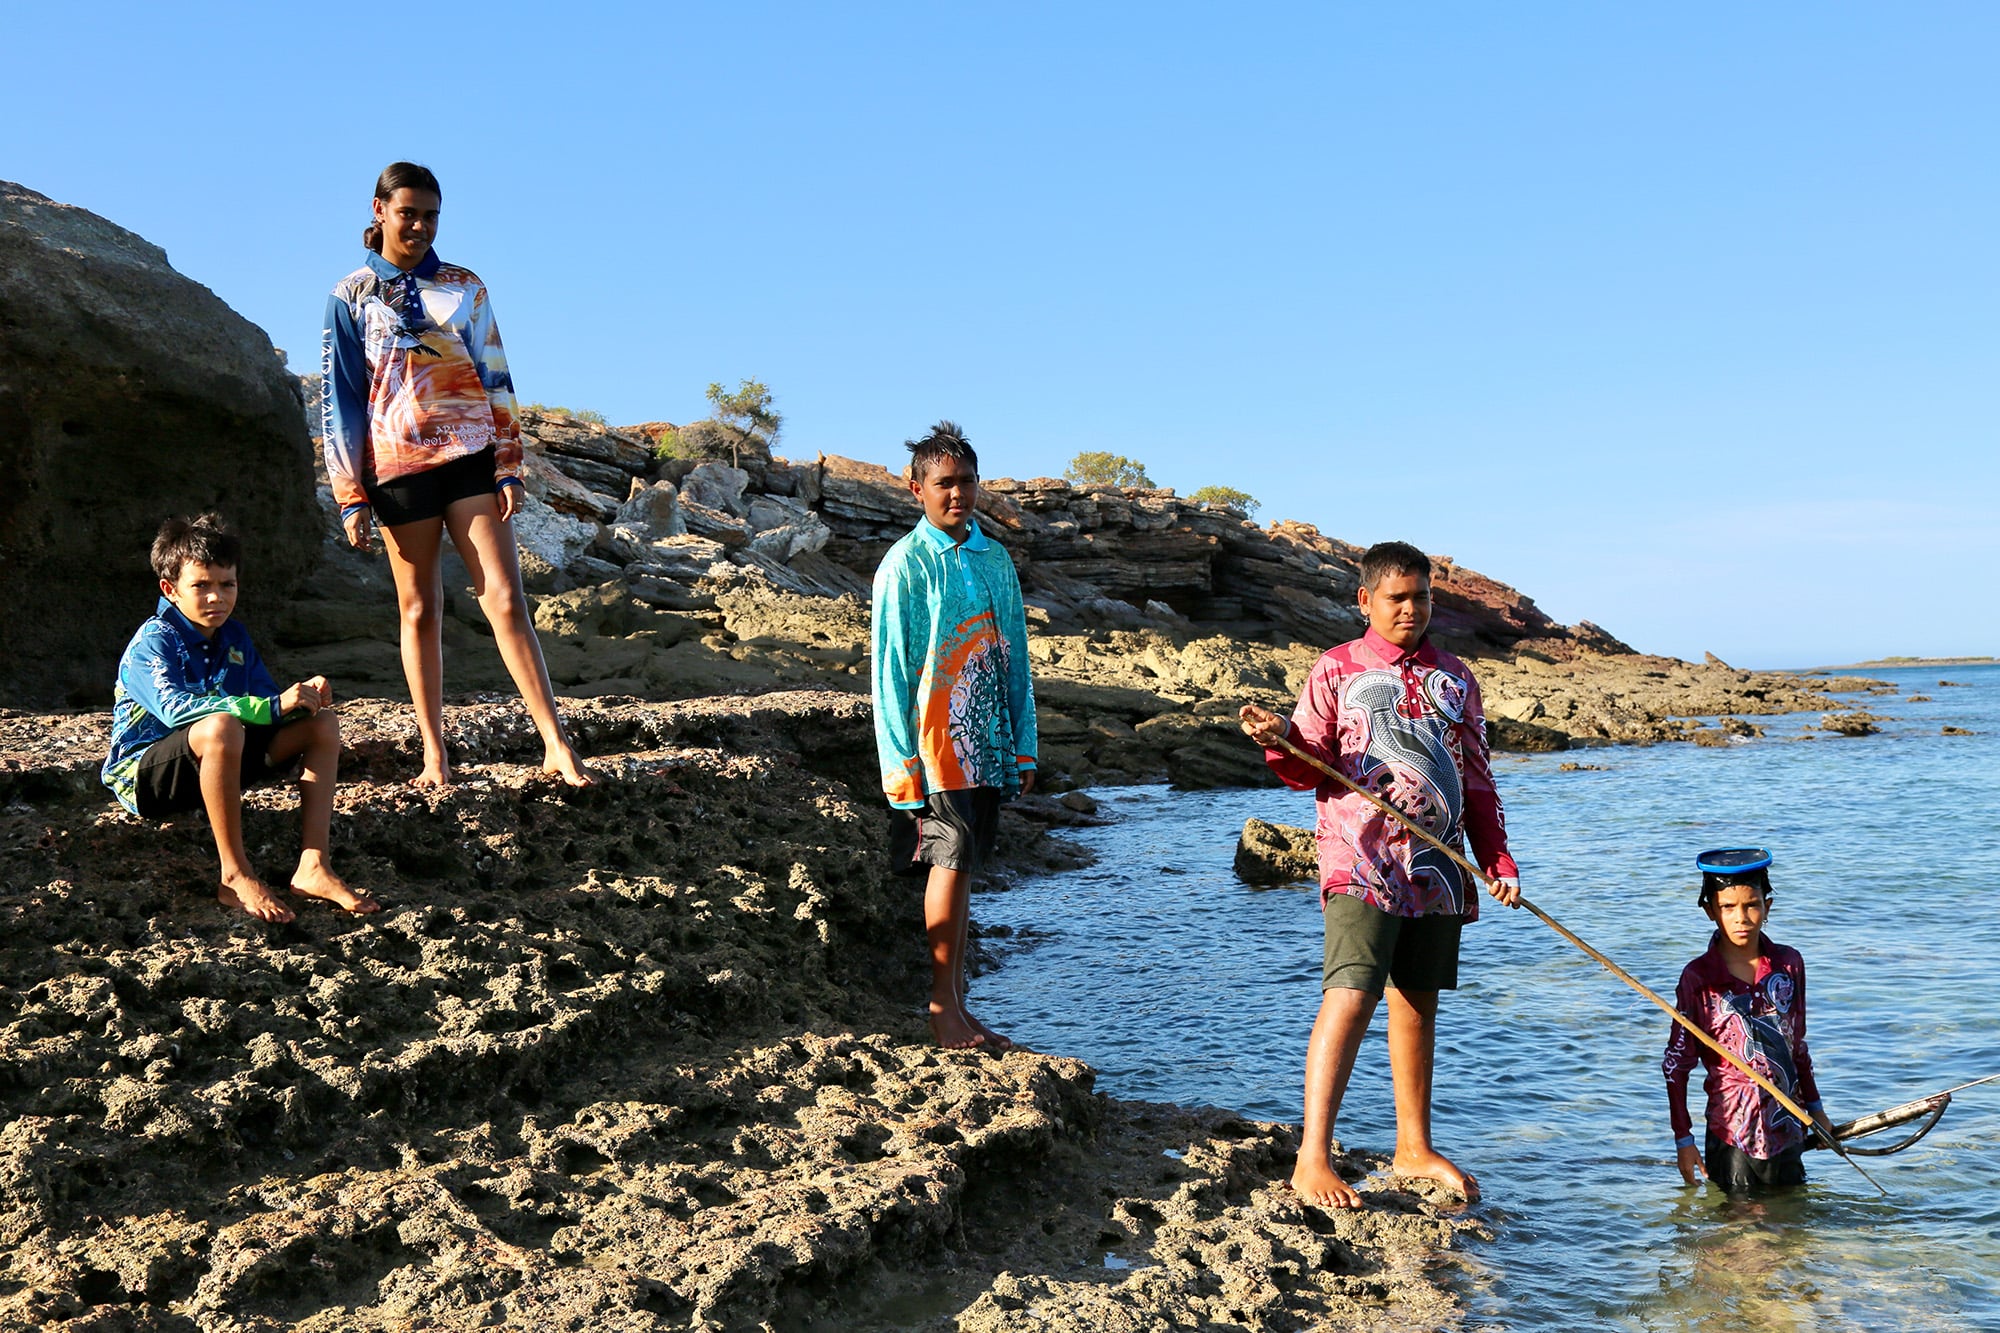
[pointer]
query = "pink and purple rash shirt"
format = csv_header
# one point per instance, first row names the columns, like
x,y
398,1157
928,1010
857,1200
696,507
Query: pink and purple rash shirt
x,y
1762,1023
1408,727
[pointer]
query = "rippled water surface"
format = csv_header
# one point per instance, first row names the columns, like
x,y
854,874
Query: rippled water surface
x,y
1181,984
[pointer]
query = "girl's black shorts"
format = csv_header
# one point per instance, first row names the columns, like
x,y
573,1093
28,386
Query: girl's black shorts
x,y
427,494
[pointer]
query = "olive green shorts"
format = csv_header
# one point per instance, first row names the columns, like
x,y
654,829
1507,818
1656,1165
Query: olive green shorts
x,y
1365,947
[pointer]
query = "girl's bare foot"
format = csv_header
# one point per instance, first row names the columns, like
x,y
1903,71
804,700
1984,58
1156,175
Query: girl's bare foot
x,y
1317,1183
993,1040
568,765
1433,1165
247,894
316,881
437,773
954,1029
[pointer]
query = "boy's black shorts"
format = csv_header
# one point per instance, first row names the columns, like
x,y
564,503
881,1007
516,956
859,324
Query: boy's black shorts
x,y
1366,947
429,493
169,775
1739,1173
955,829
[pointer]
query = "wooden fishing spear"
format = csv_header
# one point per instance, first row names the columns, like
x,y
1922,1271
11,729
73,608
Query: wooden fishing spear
x,y
1805,1118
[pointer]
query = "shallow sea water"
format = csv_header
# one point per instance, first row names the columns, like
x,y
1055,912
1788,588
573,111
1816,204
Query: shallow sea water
x,y
1182,984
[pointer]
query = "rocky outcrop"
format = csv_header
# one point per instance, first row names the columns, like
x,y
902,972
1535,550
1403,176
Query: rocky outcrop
x,y
644,1056
1089,556
1549,695
1857,723
127,393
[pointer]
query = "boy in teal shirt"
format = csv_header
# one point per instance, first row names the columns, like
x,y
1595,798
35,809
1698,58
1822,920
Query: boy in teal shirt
x,y
954,708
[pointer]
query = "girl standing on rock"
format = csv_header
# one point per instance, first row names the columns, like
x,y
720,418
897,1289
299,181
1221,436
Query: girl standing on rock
x,y
417,415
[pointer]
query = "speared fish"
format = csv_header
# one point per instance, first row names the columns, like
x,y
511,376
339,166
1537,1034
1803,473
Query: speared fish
x,y
1932,1107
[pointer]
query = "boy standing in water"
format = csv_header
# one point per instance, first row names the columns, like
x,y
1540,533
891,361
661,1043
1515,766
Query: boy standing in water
x,y
1402,719
1749,994
954,709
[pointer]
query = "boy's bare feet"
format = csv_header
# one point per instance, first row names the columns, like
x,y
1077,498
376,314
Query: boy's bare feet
x,y
319,882
247,894
1317,1183
437,773
568,765
1436,1166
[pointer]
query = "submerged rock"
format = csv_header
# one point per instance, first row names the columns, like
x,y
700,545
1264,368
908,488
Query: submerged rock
x,y
1269,853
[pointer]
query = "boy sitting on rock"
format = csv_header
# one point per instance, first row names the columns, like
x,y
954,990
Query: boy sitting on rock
x,y
196,718
1402,719
954,709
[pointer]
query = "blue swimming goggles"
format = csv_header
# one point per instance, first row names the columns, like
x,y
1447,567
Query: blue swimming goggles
x,y
1732,860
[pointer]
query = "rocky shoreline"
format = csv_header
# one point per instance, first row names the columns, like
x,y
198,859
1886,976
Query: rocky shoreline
x,y
649,1055
639,1057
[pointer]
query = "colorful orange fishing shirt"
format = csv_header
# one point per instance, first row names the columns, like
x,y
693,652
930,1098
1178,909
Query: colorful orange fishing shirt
x,y
413,376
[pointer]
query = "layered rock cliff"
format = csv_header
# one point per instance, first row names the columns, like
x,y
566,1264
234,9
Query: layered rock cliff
x,y
1152,618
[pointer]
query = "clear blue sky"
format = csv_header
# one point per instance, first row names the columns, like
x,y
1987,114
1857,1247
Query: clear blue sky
x,y
1679,318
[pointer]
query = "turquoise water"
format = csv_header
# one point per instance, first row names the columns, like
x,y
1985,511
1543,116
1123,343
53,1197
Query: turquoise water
x,y
1180,983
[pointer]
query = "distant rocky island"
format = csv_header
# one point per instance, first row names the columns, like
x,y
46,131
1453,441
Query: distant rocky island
x,y
1887,663
648,1055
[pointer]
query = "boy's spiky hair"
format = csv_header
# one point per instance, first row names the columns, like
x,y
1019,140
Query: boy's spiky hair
x,y
206,540
1386,558
945,440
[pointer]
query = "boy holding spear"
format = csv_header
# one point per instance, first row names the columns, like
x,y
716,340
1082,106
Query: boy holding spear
x,y
1402,720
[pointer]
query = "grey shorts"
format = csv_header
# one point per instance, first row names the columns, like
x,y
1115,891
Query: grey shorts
x,y
955,829
1366,947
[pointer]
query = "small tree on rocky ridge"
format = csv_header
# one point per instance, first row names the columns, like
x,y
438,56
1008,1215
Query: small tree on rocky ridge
x,y
1227,495
1096,467
743,420
748,414
589,415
